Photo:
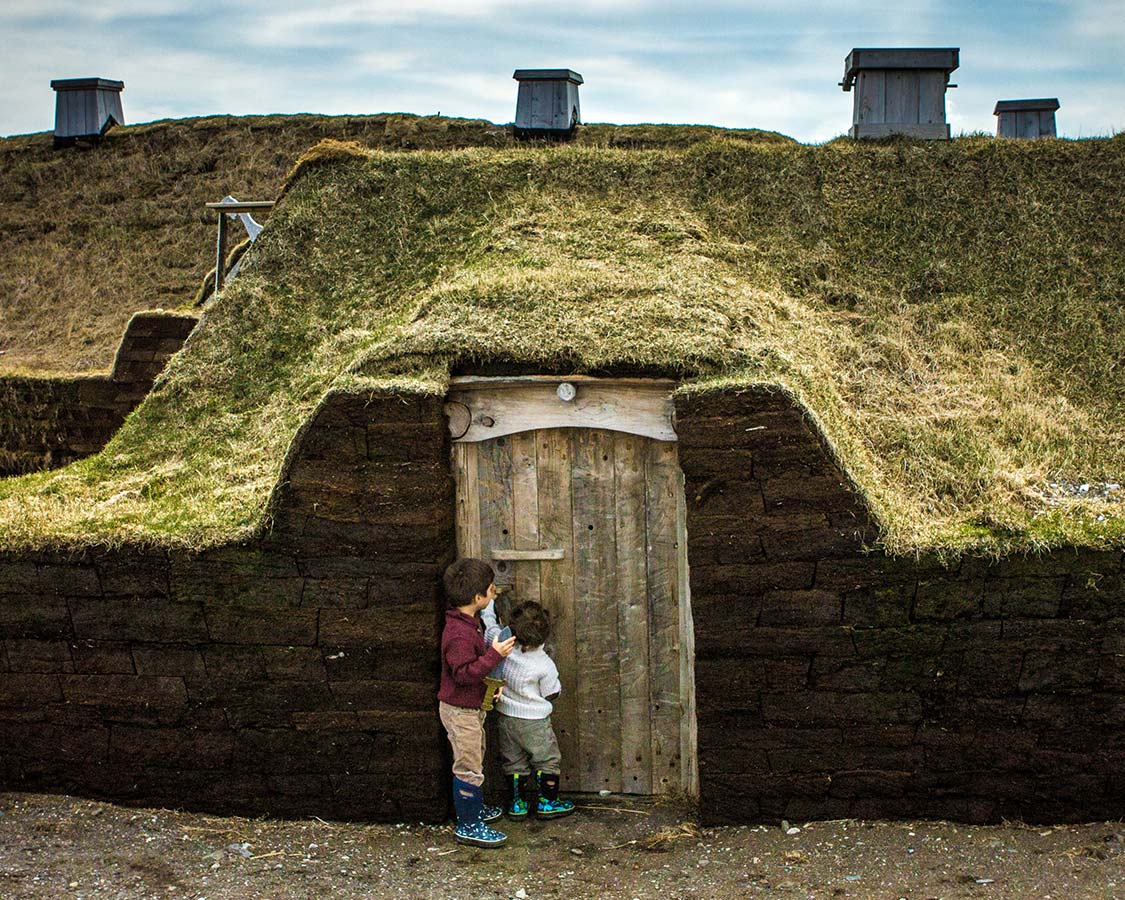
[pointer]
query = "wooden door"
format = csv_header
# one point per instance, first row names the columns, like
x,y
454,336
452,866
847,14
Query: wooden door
x,y
589,522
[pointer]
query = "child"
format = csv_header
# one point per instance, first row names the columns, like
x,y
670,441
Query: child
x,y
465,660
527,740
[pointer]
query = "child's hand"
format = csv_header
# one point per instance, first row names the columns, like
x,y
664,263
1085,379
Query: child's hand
x,y
504,648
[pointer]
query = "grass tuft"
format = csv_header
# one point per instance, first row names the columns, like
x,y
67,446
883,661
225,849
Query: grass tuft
x,y
325,153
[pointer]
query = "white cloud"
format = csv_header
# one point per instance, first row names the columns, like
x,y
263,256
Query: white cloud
x,y
71,11
380,62
337,23
762,63
1099,22
748,95
331,22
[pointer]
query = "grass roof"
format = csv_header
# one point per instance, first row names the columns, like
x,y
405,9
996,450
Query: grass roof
x,y
88,237
951,314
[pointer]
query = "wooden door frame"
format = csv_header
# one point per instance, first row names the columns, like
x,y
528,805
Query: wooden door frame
x,y
480,408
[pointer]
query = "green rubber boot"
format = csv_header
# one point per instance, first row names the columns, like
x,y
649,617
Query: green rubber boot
x,y
550,806
517,806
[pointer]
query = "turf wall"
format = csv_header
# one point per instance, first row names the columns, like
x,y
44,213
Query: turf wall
x,y
47,422
832,683
293,676
297,675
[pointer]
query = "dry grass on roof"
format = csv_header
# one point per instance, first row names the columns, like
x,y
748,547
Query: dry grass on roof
x,y
951,315
88,237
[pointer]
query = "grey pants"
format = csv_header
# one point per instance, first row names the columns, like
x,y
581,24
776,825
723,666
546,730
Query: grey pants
x,y
528,745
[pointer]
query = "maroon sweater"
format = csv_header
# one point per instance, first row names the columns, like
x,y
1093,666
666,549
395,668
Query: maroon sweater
x,y
465,660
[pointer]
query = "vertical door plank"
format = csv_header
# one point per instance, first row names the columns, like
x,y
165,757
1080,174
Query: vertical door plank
x,y
931,97
902,96
468,499
91,115
556,529
62,112
494,474
487,469
595,602
664,616
870,98
525,514
494,486
689,758
632,613
1046,123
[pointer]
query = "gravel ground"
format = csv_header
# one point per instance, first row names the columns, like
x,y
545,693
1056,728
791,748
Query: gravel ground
x,y
64,847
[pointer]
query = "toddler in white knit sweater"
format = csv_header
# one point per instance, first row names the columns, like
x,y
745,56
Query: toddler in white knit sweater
x,y
527,740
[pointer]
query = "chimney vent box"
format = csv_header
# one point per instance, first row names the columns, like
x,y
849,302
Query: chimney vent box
x,y
547,102
1026,119
899,90
85,108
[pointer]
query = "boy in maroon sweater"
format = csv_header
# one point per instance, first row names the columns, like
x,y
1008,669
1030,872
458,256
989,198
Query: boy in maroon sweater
x,y
465,660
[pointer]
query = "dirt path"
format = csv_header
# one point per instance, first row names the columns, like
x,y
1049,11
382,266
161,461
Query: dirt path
x,y
63,847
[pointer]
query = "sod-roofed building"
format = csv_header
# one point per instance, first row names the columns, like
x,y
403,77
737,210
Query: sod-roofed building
x,y
813,452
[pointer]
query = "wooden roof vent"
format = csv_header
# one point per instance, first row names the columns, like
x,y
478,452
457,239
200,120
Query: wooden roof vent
x,y
900,91
1026,119
547,103
86,108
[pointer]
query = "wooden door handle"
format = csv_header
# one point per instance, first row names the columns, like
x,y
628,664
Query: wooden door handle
x,y
516,555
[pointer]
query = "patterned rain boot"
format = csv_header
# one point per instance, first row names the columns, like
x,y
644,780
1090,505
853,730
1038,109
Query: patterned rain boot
x,y
490,813
468,800
550,806
517,806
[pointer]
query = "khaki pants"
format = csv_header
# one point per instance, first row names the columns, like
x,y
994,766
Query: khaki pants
x,y
465,728
528,746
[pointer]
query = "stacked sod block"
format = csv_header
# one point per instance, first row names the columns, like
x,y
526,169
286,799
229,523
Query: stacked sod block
x,y
833,681
290,675
50,421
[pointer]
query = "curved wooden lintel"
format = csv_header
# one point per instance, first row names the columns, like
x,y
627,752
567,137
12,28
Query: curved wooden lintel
x,y
503,406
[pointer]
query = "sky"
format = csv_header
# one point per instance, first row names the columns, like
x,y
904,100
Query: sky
x,y
771,64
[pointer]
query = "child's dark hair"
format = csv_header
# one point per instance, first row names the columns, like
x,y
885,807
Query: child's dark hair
x,y
531,624
464,579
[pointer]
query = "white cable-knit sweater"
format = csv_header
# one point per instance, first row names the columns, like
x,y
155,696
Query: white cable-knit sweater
x,y
530,676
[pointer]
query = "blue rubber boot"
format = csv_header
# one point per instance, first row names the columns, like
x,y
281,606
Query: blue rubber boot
x,y
468,801
490,813
550,806
517,806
